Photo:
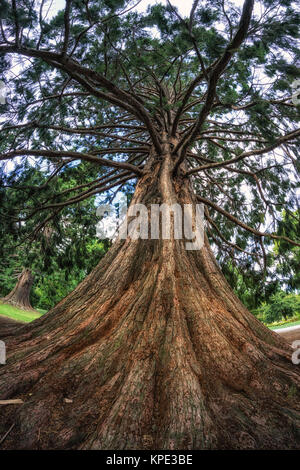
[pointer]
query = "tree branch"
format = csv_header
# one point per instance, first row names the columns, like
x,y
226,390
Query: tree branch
x,y
242,224
79,156
280,141
213,80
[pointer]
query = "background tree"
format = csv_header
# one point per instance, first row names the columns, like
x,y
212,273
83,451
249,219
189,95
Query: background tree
x,y
287,259
153,347
250,281
60,253
281,306
20,294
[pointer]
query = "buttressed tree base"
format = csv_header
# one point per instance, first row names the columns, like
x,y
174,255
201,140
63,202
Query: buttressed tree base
x,y
153,347
20,295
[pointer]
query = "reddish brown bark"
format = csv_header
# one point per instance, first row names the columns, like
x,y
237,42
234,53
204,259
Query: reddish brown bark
x,y
155,351
8,326
20,295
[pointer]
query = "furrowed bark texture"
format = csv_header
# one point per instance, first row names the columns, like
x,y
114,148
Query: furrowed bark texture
x,y
20,295
8,326
155,352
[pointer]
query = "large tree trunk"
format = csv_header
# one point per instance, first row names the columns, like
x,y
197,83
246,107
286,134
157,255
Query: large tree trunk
x,y
20,295
155,352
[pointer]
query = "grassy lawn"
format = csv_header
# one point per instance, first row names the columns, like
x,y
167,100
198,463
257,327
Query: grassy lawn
x,y
18,314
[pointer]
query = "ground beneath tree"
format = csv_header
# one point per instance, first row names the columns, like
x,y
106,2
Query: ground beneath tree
x,y
290,334
8,324
18,314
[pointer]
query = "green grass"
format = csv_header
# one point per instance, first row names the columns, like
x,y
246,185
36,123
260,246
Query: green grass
x,y
285,325
18,314
41,311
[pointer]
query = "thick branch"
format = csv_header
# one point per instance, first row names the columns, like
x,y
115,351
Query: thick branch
x,y
213,80
86,77
79,156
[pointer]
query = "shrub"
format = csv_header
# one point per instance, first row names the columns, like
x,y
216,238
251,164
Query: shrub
x,y
281,306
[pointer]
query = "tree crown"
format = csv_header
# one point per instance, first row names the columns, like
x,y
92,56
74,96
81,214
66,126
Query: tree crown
x,y
101,84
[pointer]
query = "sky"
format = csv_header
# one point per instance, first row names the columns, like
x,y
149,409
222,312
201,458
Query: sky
x,y
184,6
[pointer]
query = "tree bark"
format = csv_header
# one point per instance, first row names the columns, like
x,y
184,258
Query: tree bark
x,y
155,351
20,295
8,326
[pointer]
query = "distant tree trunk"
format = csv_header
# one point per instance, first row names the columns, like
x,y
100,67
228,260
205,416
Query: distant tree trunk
x,y
155,351
20,295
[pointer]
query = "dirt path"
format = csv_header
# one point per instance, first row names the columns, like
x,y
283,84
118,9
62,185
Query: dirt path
x,y
291,333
